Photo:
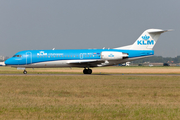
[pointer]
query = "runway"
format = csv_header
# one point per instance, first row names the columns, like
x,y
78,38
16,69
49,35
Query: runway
x,y
89,74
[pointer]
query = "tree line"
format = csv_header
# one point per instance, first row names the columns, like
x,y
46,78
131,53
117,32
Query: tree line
x,y
159,59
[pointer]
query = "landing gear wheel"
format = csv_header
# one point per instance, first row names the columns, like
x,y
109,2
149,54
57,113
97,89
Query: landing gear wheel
x,y
25,72
87,71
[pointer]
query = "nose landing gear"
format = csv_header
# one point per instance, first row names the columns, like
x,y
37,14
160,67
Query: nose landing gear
x,y
25,72
87,71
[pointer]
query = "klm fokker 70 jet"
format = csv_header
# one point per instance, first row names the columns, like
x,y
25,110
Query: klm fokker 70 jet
x,y
87,58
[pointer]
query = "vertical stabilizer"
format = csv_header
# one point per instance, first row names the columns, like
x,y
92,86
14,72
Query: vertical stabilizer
x,y
146,41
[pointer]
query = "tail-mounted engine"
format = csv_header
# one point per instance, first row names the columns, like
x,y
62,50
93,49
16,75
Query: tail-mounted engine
x,y
113,55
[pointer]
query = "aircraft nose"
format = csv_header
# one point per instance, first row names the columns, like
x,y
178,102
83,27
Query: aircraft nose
x,y
8,62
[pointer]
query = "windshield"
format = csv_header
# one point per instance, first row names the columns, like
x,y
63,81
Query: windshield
x,y
17,56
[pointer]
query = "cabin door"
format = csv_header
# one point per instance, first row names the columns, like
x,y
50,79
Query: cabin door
x,y
28,58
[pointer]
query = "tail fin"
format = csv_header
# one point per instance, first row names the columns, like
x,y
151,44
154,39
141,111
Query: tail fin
x,y
146,41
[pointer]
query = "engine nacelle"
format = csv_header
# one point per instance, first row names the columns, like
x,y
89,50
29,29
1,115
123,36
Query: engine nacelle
x,y
107,55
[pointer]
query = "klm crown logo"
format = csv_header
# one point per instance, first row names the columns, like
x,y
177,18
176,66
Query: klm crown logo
x,y
41,53
145,37
145,41
111,55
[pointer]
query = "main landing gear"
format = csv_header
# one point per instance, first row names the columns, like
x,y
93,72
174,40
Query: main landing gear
x,y
87,71
25,72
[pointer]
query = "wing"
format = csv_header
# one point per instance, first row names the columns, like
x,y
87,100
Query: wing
x,y
85,63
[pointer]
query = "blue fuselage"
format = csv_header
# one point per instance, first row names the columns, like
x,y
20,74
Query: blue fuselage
x,y
37,56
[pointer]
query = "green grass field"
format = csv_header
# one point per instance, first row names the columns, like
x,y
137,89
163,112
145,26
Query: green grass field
x,y
89,97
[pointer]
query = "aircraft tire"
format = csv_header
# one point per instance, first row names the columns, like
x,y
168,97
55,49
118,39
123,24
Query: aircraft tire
x,y
89,71
25,72
85,71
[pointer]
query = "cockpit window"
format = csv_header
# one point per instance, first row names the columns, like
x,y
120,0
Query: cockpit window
x,y
17,56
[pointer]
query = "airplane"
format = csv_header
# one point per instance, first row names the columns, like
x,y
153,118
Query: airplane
x,y
87,58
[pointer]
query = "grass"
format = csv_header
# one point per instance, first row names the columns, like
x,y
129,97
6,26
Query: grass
x,y
89,97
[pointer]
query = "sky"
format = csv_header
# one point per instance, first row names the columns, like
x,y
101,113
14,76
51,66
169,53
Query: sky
x,y
84,24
